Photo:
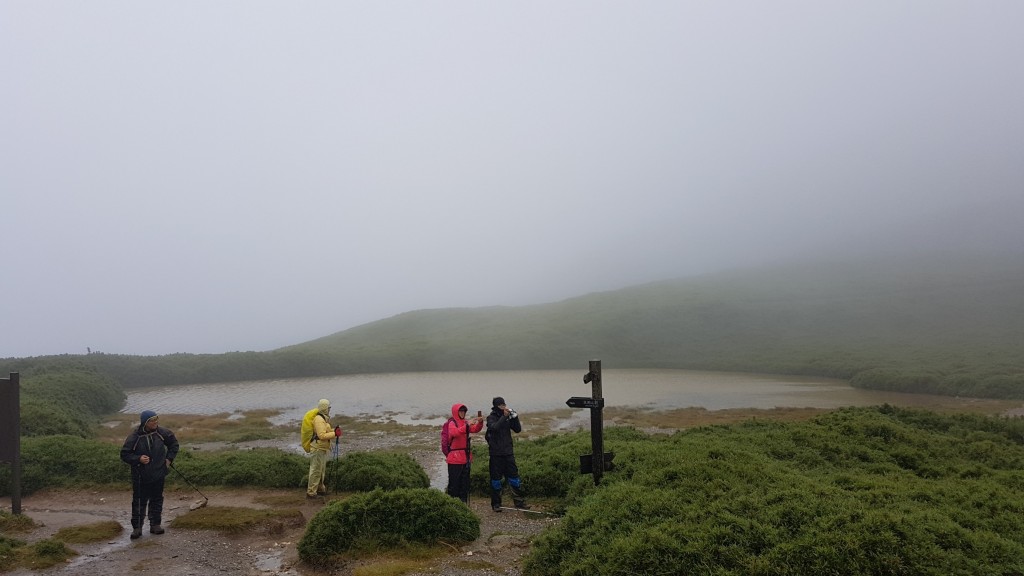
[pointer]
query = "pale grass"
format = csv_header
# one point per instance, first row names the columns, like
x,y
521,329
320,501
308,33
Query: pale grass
x,y
89,533
12,523
391,567
233,520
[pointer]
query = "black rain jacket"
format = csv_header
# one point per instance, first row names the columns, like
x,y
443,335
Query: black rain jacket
x,y
499,432
160,445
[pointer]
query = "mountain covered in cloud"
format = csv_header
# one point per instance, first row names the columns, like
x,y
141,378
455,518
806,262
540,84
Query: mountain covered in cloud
x,y
940,323
931,320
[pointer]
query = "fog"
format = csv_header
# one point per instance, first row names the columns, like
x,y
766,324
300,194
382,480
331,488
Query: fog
x,y
211,177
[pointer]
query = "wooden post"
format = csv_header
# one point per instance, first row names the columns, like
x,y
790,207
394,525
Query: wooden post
x,y
598,460
10,434
597,421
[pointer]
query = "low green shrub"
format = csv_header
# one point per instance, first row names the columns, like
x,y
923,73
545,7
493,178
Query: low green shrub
x,y
70,461
365,471
42,418
856,491
47,553
549,466
9,552
67,401
52,461
263,467
383,520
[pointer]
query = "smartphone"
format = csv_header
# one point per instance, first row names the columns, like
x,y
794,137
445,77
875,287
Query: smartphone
x,y
479,413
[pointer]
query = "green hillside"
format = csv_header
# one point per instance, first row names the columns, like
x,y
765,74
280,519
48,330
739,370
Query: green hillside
x,y
949,326
923,325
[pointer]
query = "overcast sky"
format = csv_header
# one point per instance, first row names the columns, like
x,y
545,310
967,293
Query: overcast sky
x,y
221,176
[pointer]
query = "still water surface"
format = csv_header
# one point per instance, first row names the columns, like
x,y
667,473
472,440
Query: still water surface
x,y
426,397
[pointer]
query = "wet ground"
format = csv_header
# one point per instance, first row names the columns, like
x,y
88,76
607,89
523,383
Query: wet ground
x,y
500,549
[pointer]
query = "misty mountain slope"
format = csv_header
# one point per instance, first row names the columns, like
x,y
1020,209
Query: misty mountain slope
x,y
930,322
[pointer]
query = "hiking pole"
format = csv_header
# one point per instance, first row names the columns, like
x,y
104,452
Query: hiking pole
x,y
195,505
336,450
527,511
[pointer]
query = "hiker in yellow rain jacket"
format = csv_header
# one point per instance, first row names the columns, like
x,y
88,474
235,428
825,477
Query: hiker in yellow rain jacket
x,y
319,448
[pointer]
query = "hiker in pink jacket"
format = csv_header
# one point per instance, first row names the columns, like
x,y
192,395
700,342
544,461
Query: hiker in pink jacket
x,y
459,455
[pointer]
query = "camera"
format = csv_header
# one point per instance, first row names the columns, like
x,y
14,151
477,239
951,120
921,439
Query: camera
x,y
512,413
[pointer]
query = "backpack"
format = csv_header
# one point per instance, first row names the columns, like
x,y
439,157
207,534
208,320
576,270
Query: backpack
x,y
446,441
306,432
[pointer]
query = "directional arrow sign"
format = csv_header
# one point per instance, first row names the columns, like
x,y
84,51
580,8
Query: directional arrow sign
x,y
585,402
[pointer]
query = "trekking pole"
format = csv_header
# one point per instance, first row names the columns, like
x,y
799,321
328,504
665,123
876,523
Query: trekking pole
x,y
196,505
528,511
336,450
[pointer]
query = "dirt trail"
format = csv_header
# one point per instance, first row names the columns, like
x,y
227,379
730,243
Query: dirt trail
x,y
499,550
503,543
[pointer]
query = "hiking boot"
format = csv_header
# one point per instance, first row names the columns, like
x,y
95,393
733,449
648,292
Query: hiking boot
x,y
496,508
136,533
155,529
522,505
312,496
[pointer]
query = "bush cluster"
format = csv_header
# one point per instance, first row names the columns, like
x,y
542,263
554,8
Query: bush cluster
x,y
70,461
365,471
383,520
67,401
263,467
857,491
64,461
549,466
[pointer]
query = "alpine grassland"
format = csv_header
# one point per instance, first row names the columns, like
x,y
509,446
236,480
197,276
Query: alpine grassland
x,y
856,491
379,521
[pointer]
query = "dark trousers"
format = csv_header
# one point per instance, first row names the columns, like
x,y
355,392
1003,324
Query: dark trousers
x,y
505,466
147,495
458,481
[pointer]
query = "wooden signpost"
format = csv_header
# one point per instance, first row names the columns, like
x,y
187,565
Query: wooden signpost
x,y
598,461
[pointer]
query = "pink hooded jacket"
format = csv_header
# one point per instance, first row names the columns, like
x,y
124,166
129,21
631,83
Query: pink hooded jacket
x,y
458,432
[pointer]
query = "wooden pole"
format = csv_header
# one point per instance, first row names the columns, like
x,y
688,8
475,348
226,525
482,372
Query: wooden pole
x,y
10,434
597,421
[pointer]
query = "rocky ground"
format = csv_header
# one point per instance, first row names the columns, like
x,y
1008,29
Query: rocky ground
x,y
500,549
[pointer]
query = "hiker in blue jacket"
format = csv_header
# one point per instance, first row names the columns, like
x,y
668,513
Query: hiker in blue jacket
x,y
501,423
149,450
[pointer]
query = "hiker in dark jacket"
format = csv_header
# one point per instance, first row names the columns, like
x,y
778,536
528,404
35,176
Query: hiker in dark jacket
x,y
149,450
501,423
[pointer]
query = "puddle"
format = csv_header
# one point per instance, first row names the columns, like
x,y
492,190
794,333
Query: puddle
x,y
271,562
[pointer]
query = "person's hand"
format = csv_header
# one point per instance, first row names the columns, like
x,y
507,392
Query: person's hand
x,y
167,463
144,459
337,431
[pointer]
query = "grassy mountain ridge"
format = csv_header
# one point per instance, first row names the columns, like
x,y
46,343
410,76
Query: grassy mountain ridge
x,y
940,325
949,326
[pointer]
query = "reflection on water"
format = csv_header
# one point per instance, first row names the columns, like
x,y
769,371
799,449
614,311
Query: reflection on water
x,y
426,397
